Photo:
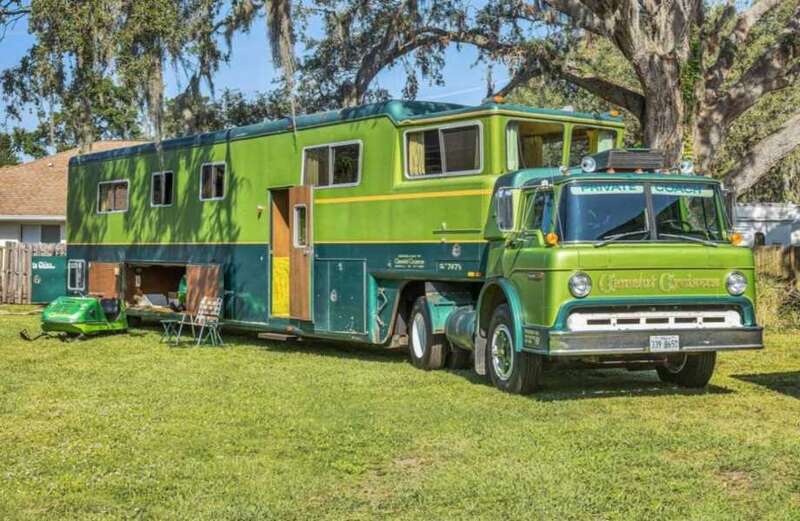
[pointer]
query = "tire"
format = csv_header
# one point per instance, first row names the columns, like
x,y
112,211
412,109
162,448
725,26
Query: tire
x,y
426,350
458,358
509,370
695,371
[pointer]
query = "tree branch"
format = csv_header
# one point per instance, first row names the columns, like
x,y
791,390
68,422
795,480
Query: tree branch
x,y
764,155
729,47
777,68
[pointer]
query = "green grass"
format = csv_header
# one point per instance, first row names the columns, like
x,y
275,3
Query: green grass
x,y
124,427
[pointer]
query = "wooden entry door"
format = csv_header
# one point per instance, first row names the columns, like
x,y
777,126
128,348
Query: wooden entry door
x,y
300,251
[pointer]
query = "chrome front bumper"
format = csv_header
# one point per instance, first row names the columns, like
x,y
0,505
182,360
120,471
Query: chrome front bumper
x,y
591,343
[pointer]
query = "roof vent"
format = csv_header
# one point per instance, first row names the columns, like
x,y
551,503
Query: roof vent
x,y
629,159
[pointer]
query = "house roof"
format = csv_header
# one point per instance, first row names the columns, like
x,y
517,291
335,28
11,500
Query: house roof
x,y
38,188
400,112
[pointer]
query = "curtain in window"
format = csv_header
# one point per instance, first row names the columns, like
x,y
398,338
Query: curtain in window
x,y
121,196
532,151
512,146
314,164
416,154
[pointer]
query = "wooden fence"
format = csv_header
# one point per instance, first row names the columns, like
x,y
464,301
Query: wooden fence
x,y
780,262
15,269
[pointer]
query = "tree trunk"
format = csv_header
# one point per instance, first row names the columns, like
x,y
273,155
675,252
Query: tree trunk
x,y
662,121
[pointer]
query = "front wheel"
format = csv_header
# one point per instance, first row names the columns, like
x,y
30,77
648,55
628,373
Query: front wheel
x,y
510,370
427,351
693,370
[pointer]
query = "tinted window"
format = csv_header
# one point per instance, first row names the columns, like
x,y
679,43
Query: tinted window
x,y
538,217
112,196
161,189
212,182
448,150
686,209
597,211
331,165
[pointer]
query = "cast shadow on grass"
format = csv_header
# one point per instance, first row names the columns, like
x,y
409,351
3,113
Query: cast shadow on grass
x,y
578,384
787,383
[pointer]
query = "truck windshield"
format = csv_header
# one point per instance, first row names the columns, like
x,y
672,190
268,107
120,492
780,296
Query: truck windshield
x,y
618,211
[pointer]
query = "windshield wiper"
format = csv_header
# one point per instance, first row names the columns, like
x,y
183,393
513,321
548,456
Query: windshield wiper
x,y
689,238
611,238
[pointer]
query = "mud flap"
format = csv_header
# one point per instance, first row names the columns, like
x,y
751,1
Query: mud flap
x,y
480,354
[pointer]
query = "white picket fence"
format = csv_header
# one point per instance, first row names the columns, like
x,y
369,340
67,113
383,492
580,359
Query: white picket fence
x,y
15,269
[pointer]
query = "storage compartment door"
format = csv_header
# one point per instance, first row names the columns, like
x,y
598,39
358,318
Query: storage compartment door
x,y
104,279
202,280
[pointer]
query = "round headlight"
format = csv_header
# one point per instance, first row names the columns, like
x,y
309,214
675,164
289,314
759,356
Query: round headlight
x,y
588,164
580,284
736,283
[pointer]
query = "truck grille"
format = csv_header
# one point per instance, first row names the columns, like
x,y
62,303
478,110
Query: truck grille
x,y
640,320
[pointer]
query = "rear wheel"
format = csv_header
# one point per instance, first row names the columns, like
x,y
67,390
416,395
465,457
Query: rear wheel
x,y
510,370
693,370
427,351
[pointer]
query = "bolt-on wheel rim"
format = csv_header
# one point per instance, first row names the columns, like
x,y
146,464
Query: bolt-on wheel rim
x,y
502,352
675,365
419,335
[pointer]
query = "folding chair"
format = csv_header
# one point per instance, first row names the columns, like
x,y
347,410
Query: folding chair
x,y
207,319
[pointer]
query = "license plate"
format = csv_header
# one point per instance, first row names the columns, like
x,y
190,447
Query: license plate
x,y
662,343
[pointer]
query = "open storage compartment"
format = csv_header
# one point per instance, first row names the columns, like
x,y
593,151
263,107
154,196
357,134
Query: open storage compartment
x,y
155,287
166,288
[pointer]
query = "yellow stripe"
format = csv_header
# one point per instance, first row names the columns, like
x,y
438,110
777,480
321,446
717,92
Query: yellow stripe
x,y
397,197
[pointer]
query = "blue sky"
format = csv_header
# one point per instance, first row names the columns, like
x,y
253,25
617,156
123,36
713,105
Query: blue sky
x,y
250,70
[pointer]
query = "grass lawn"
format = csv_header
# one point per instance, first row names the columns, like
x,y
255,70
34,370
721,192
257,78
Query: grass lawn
x,y
124,427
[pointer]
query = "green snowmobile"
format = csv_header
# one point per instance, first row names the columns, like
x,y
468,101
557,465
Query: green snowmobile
x,y
79,317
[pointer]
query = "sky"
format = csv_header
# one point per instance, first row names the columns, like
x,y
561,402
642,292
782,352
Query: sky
x,y
250,70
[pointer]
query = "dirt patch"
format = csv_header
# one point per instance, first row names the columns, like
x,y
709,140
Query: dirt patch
x,y
735,481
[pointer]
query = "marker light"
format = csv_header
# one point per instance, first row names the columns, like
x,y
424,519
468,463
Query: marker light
x,y
551,239
613,113
588,164
498,99
736,238
580,284
687,167
736,283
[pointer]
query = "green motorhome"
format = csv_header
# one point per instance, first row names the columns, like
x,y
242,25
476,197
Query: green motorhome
x,y
502,236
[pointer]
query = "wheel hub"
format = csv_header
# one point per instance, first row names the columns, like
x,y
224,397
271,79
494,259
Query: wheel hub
x,y
502,352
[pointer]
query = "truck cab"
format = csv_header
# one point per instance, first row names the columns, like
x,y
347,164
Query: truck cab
x,y
619,262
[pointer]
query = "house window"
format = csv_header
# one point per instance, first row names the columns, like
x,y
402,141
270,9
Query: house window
x,y
332,165
161,189
51,233
75,278
212,182
300,226
112,196
441,151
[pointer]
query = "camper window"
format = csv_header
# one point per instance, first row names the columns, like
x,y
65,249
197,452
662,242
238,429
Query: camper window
x,y
300,226
532,144
451,150
337,164
112,196
75,281
161,184
212,182
588,140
